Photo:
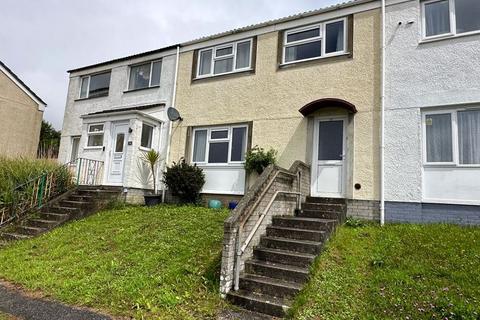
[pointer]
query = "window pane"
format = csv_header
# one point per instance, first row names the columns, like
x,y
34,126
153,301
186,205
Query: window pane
x,y
469,136
222,66
302,35
139,76
99,84
239,140
219,134
147,134
437,18
200,145
157,70
95,128
243,55
224,51
218,152
95,140
119,143
75,144
84,88
334,37
439,137
330,142
467,15
205,62
303,51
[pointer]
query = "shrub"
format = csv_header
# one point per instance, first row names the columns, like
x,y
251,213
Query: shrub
x,y
257,159
185,181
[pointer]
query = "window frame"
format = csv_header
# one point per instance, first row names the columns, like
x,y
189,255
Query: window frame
x,y
214,58
453,23
229,129
95,133
322,26
153,135
455,148
150,77
73,138
89,76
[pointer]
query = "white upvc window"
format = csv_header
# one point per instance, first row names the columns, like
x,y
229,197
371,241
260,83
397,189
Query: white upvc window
x,y
75,146
444,18
95,85
145,75
452,137
224,59
95,134
147,136
316,41
219,145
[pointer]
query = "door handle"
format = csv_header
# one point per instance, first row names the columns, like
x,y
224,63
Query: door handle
x,y
103,148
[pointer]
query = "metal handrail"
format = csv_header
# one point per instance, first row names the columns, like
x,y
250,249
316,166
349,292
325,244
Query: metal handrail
x,y
241,250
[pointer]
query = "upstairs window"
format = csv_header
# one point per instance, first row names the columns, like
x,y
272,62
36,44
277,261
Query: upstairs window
x,y
313,42
96,85
95,135
226,145
450,17
453,137
226,58
145,75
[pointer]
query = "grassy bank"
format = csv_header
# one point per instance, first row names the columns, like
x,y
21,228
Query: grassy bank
x,y
396,272
160,262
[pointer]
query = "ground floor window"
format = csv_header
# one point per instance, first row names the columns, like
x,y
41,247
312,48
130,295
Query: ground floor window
x,y
75,145
147,135
95,135
452,137
219,145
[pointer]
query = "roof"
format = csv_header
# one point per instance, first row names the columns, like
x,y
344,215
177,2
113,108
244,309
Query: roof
x,y
22,84
135,108
230,32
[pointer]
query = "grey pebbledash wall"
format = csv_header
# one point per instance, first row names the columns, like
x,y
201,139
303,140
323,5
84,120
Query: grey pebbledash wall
x,y
415,212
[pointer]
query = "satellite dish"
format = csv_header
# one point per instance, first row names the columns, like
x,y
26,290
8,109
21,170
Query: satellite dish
x,y
173,114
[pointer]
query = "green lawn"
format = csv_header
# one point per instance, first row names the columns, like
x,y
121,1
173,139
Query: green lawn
x,y
396,272
160,262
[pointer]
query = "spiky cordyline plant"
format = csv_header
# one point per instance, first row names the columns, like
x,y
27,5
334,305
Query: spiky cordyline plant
x,y
152,158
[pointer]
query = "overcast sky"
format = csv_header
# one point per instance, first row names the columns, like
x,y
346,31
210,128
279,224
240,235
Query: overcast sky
x,y
41,39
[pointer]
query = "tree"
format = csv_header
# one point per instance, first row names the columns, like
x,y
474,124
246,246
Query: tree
x,y
49,141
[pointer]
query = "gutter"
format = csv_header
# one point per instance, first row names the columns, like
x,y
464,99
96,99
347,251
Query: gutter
x,y
382,130
169,137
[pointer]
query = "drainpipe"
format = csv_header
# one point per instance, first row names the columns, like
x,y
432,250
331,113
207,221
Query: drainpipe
x,y
382,130
169,137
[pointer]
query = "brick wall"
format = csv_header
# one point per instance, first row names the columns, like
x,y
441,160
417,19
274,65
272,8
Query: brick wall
x,y
256,200
363,209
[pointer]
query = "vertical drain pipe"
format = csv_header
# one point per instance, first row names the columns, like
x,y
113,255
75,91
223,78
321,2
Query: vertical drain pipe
x,y
382,130
169,136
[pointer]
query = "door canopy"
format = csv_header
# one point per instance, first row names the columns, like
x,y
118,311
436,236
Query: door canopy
x,y
327,103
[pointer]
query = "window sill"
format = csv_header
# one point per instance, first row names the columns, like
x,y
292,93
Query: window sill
x,y
224,75
93,148
141,89
451,165
221,165
328,58
449,36
144,149
90,98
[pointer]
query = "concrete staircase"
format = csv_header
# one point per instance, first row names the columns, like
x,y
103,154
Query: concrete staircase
x,y
76,204
281,263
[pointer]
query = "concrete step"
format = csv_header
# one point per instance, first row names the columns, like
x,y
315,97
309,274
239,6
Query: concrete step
x,y
277,270
302,246
262,303
335,207
325,200
74,203
33,231
97,193
53,216
64,210
270,286
80,197
307,213
41,223
14,236
282,256
304,223
296,233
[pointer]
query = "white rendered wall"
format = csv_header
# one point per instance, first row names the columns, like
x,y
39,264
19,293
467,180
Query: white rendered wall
x,y
419,76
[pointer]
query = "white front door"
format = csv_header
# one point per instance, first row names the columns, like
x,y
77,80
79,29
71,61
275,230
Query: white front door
x,y
328,165
117,152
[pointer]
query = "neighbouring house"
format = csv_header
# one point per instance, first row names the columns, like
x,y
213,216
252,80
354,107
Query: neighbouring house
x,y
21,111
306,85
116,111
432,119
